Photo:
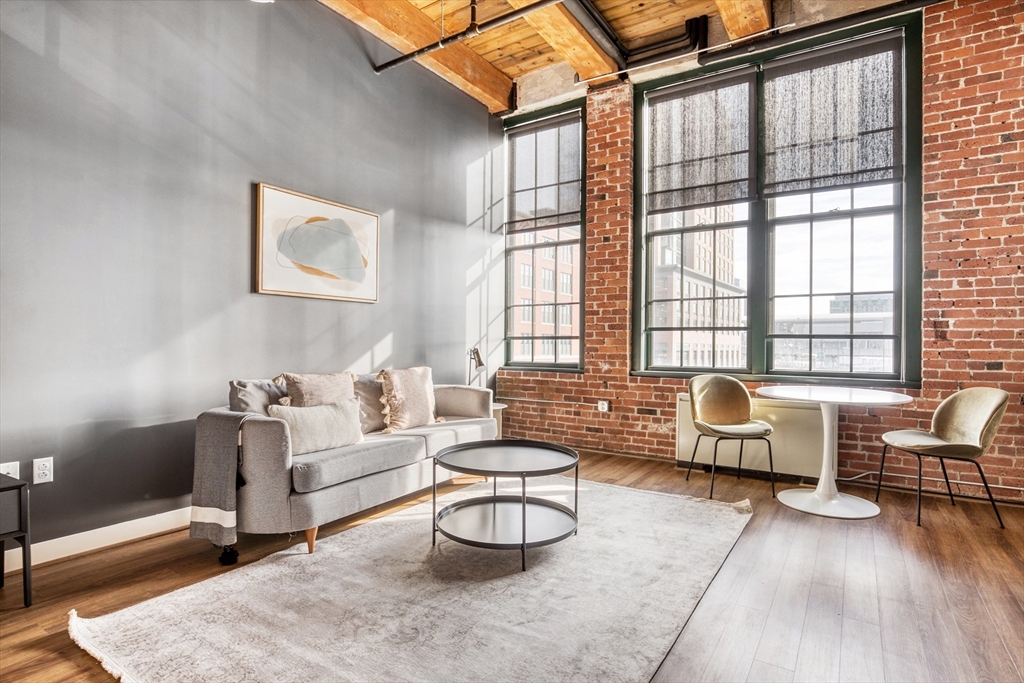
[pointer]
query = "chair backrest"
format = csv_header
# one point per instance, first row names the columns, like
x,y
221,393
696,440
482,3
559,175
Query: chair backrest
x,y
970,416
719,400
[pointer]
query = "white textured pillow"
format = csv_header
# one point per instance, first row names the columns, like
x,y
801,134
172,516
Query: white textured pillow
x,y
408,398
319,428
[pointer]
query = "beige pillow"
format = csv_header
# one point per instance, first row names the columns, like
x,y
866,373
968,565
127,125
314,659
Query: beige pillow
x,y
408,398
319,428
305,391
371,411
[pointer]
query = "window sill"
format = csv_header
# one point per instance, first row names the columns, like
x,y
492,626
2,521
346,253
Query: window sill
x,y
572,369
832,380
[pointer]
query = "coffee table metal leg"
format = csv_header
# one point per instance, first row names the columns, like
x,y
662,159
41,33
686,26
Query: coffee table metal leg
x,y
433,497
576,499
524,522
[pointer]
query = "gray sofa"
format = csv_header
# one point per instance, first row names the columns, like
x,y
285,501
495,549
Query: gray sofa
x,y
285,493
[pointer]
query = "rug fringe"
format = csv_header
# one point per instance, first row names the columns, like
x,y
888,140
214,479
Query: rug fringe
x,y
111,667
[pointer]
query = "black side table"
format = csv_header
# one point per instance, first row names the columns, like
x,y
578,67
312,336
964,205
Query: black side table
x,y
20,534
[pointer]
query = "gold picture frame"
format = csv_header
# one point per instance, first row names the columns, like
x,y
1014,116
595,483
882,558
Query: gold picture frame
x,y
315,248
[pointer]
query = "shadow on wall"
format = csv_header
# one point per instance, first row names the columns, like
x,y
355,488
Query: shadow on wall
x,y
120,472
485,277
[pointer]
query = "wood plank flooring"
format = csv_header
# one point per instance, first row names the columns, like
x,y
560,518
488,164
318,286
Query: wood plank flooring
x,y
800,598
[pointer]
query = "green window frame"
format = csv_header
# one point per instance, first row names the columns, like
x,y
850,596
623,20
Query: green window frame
x,y
550,338
765,227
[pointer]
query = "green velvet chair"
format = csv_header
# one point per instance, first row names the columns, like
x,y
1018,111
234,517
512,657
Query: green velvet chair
x,y
963,428
721,408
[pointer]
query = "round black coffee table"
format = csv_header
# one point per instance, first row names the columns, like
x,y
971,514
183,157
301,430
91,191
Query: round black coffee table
x,y
507,522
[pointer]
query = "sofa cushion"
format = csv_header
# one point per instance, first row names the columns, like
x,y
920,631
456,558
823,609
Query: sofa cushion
x,y
376,453
305,391
321,427
371,410
254,395
408,398
452,431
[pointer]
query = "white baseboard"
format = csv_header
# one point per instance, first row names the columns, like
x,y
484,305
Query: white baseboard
x,y
55,549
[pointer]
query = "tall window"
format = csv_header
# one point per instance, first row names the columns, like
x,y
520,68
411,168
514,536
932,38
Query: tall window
x,y
545,187
774,216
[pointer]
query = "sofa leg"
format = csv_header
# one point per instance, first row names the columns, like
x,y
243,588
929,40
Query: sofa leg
x,y
311,538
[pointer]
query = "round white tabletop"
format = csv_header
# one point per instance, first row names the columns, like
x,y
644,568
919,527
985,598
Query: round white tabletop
x,y
825,500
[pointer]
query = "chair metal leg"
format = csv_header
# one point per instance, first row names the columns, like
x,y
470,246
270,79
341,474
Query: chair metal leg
x,y
918,488
987,490
942,462
771,465
714,460
879,489
695,444
740,465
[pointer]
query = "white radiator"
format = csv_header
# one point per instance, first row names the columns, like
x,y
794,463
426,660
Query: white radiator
x,y
796,439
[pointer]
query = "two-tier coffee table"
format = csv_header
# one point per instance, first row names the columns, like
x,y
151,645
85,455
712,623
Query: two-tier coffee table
x,y
508,521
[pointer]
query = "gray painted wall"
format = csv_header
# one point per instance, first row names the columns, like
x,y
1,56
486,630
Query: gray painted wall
x,y
130,136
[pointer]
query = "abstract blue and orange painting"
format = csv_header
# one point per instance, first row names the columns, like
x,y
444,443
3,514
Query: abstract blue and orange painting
x,y
315,248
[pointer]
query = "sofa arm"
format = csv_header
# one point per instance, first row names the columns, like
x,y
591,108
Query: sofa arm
x,y
463,401
263,503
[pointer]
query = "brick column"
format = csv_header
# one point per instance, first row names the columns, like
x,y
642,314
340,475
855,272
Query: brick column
x,y
609,230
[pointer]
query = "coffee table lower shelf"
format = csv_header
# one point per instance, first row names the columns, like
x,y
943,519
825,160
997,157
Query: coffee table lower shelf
x,y
496,522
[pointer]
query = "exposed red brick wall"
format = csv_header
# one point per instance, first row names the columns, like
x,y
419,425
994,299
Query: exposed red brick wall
x,y
973,325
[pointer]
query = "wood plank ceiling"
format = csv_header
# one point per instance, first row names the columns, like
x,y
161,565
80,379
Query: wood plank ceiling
x,y
485,65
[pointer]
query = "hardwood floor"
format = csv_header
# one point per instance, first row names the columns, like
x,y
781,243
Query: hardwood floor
x,y
800,598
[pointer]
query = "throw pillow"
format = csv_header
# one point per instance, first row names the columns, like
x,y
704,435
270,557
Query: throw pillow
x,y
408,398
369,391
319,428
305,391
254,395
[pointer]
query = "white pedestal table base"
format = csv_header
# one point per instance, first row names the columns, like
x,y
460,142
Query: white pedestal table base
x,y
825,500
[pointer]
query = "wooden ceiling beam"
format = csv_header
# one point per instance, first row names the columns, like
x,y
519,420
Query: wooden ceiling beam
x,y
743,17
569,39
404,27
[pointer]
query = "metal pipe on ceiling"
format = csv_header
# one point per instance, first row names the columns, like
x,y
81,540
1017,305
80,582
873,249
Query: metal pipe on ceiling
x,y
473,29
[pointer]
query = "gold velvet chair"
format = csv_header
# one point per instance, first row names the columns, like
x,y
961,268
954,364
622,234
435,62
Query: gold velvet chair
x,y
721,409
963,428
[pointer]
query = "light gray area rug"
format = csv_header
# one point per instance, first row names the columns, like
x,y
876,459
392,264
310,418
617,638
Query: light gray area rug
x,y
379,603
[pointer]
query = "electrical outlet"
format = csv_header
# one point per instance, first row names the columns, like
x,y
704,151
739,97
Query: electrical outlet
x,y
42,470
603,406
11,469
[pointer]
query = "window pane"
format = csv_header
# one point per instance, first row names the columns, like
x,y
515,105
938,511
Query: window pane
x,y
547,157
873,238
791,354
873,355
831,256
791,315
665,314
789,205
873,195
792,259
832,200
831,315
731,347
569,350
665,347
522,350
569,165
523,162
830,355
873,314
731,312
731,270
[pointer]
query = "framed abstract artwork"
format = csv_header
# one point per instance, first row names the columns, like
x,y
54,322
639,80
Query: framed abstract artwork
x,y
311,247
